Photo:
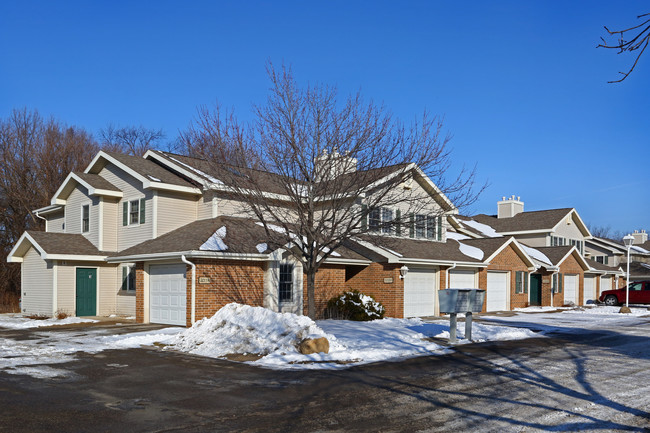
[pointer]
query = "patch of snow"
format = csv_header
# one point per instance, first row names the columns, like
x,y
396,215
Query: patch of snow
x,y
639,249
457,236
483,228
470,251
261,248
215,242
536,254
199,172
155,179
393,252
16,321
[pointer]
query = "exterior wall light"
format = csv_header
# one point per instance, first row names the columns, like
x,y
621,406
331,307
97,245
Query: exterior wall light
x,y
403,271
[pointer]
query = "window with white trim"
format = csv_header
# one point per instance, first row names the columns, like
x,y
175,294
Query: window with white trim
x,y
426,226
381,220
285,286
602,259
133,212
521,282
128,278
85,218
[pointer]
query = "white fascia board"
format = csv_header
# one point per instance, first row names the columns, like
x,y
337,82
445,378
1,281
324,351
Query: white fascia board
x,y
525,232
437,190
25,237
188,254
600,244
583,228
105,192
612,246
169,187
580,258
48,209
154,155
409,261
55,198
75,257
342,261
517,246
595,271
377,249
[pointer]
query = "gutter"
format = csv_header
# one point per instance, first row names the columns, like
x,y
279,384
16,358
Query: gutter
x,y
193,314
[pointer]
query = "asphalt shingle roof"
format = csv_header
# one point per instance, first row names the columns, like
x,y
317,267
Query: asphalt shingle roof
x,y
96,181
535,220
65,243
150,169
555,254
421,249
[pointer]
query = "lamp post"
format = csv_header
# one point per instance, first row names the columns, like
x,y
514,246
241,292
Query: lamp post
x,y
628,240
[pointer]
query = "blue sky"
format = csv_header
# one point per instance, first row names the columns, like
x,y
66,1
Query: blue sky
x,y
521,85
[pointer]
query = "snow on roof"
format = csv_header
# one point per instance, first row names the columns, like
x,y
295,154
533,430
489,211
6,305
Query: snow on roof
x,y
215,242
457,236
199,172
261,247
639,249
470,251
483,228
536,254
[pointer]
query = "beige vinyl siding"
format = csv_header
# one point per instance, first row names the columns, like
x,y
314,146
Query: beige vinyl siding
x,y
78,198
569,231
66,288
204,207
125,305
37,284
108,289
535,240
111,220
56,222
230,207
174,211
128,236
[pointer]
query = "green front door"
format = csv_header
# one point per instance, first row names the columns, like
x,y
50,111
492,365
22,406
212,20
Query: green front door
x,y
535,289
86,292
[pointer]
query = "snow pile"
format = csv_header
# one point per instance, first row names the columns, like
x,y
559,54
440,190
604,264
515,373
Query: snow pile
x,y
215,242
457,236
536,254
261,247
606,310
243,329
15,321
482,333
483,228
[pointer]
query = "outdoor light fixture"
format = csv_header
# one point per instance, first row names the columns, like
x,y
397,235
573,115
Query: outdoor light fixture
x,y
403,271
628,240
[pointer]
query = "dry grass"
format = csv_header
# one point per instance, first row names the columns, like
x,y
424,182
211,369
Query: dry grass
x,y
37,317
60,315
9,303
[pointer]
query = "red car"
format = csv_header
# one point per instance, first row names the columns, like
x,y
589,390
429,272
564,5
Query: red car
x,y
639,294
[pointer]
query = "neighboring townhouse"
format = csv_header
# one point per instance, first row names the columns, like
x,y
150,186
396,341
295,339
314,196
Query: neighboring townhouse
x,y
557,241
159,238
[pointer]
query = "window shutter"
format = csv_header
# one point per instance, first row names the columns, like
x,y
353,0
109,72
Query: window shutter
x,y
142,201
124,277
125,213
559,283
364,217
525,282
411,225
518,288
398,227
439,227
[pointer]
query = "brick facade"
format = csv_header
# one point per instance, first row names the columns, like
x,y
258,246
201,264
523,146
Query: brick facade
x,y
506,260
330,281
382,282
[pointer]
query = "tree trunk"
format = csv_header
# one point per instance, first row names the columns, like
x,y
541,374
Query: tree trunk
x,y
311,303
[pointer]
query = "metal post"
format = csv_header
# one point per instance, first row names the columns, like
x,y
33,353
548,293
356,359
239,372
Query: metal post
x,y
627,279
468,326
452,327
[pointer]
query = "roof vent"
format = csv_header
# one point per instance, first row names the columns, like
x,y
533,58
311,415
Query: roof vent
x,y
507,208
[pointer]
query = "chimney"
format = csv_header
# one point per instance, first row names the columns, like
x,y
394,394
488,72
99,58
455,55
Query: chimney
x,y
640,237
507,208
330,166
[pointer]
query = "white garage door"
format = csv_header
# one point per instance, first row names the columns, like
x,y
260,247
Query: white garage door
x,y
167,294
571,289
590,290
419,293
605,284
497,291
462,280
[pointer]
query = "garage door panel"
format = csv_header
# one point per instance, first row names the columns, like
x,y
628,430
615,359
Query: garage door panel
x,y
497,291
419,293
590,290
462,279
167,292
571,289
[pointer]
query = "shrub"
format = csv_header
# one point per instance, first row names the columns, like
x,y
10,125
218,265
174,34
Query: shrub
x,y
354,305
60,315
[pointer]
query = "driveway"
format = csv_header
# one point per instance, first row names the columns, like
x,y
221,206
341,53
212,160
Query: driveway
x,y
596,380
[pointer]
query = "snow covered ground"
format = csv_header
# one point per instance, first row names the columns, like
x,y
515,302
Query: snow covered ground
x,y
16,321
240,329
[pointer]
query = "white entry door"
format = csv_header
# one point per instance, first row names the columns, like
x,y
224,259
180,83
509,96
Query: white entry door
x,y
571,289
462,279
497,291
167,294
419,293
590,290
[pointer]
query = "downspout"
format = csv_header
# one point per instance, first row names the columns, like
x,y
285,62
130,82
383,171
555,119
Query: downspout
x,y
449,269
44,219
193,301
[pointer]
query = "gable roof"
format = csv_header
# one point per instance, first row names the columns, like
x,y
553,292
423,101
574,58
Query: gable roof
x,y
95,184
56,246
602,268
491,247
152,175
543,220
238,237
558,255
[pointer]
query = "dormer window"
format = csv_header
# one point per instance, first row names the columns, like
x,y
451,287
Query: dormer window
x,y
426,227
85,218
380,220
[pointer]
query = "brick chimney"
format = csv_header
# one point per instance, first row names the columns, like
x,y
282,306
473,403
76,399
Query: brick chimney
x,y
507,208
640,237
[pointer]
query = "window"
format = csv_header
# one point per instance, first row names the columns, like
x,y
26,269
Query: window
x,y
386,218
133,212
285,293
85,218
427,226
420,226
374,220
636,286
602,259
521,282
128,278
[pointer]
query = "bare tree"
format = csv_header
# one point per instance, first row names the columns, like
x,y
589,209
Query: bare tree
x,y
639,36
131,140
327,167
35,158
605,231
